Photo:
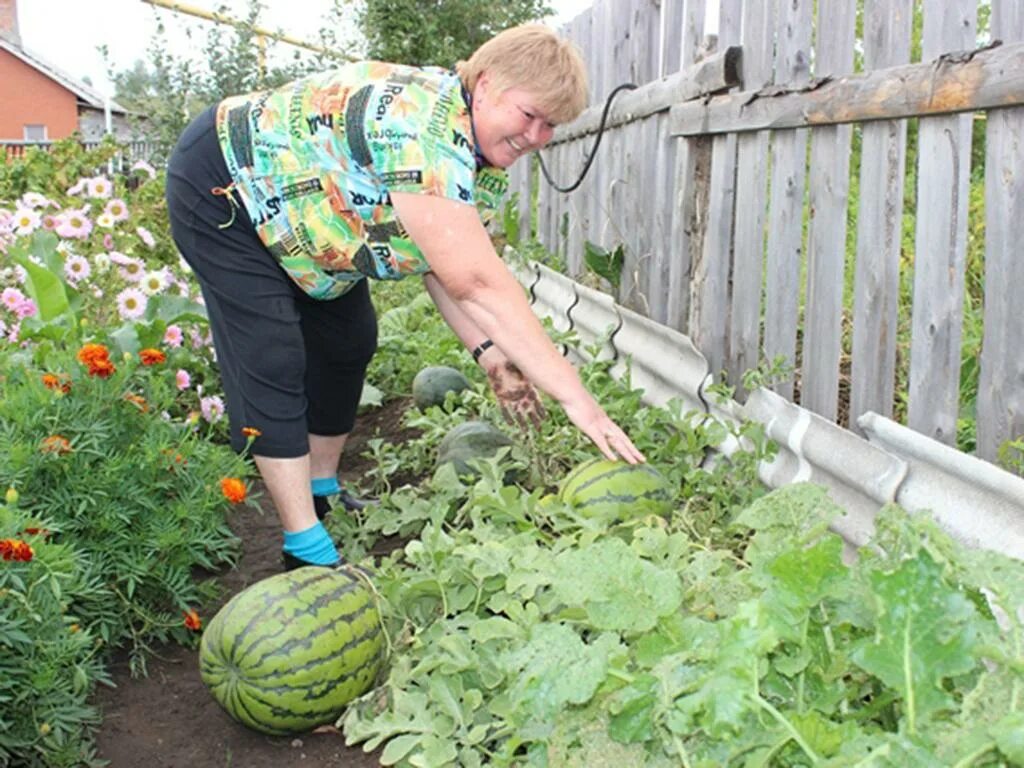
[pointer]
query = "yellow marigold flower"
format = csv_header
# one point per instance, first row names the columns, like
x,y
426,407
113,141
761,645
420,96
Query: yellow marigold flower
x,y
233,489
55,444
150,356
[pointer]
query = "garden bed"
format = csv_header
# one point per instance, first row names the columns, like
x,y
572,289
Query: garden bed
x,y
169,719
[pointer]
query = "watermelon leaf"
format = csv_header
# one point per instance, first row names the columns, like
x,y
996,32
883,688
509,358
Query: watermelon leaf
x,y
923,635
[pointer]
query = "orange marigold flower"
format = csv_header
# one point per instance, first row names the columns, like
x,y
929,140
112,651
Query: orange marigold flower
x,y
91,353
16,549
251,432
137,400
44,532
192,621
55,444
101,368
57,383
150,356
233,489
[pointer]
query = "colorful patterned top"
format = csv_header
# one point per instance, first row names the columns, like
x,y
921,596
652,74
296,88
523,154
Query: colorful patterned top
x,y
315,161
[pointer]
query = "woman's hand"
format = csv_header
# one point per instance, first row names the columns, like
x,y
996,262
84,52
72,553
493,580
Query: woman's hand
x,y
519,401
592,421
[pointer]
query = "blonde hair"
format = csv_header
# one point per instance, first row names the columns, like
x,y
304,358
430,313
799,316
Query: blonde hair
x,y
532,57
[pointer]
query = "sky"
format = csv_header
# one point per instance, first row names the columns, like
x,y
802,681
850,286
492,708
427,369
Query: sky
x,y
66,33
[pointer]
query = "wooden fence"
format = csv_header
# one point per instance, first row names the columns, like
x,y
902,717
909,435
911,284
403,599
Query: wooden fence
x,y
130,150
732,188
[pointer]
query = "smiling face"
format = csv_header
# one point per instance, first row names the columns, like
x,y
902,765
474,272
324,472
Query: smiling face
x,y
508,124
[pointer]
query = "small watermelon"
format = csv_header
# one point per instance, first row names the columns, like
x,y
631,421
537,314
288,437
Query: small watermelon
x,y
614,491
289,652
470,440
432,384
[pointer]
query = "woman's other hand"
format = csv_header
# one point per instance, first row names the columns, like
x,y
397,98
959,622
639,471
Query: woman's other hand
x,y
519,401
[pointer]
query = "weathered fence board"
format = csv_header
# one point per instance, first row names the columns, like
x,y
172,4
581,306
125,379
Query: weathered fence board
x,y
683,206
960,81
709,308
826,238
940,241
1000,403
758,27
785,212
887,27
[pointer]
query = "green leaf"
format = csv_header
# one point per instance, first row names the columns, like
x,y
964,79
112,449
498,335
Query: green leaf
x,y
371,397
922,636
617,589
606,264
1009,736
45,288
398,747
126,338
555,668
171,308
632,710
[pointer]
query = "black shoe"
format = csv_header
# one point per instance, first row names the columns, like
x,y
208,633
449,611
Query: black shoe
x,y
346,501
291,563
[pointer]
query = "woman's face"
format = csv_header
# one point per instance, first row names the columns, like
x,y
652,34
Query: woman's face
x,y
508,124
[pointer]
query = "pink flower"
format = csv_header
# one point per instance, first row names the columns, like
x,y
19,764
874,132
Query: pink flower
x,y
34,200
26,220
11,298
74,224
77,188
98,186
144,167
145,236
50,222
108,241
76,268
182,379
212,408
132,270
117,209
131,303
26,308
173,336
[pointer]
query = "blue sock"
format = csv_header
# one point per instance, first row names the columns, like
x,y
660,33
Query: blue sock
x,y
312,545
325,486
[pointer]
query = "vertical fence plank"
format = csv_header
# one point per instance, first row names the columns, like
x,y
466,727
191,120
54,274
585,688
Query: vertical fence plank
x,y
709,310
757,38
887,29
826,240
785,214
685,186
1000,410
940,243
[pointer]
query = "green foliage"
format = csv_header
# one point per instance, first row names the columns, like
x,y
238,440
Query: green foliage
x,y
605,264
49,665
136,496
440,32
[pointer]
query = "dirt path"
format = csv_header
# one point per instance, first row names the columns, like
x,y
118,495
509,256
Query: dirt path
x,y
169,719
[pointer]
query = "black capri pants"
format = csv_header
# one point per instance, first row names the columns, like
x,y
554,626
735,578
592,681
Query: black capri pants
x,y
291,365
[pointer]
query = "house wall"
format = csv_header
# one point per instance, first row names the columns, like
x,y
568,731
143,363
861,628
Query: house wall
x,y
29,97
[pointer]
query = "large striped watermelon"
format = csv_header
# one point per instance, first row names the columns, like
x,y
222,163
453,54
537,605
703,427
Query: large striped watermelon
x,y
614,491
289,652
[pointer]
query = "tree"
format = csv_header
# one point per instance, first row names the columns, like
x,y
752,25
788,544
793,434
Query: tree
x,y
439,32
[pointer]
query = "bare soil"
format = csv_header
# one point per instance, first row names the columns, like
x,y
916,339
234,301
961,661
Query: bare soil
x,y
170,720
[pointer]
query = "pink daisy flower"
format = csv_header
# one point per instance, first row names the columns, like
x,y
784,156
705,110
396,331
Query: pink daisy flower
x,y
74,224
27,308
35,200
26,220
108,241
98,186
182,379
131,303
11,298
132,270
77,188
76,268
145,236
212,408
117,209
173,336
144,167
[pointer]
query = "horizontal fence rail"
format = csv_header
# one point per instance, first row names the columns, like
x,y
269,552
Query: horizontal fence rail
x,y
810,187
